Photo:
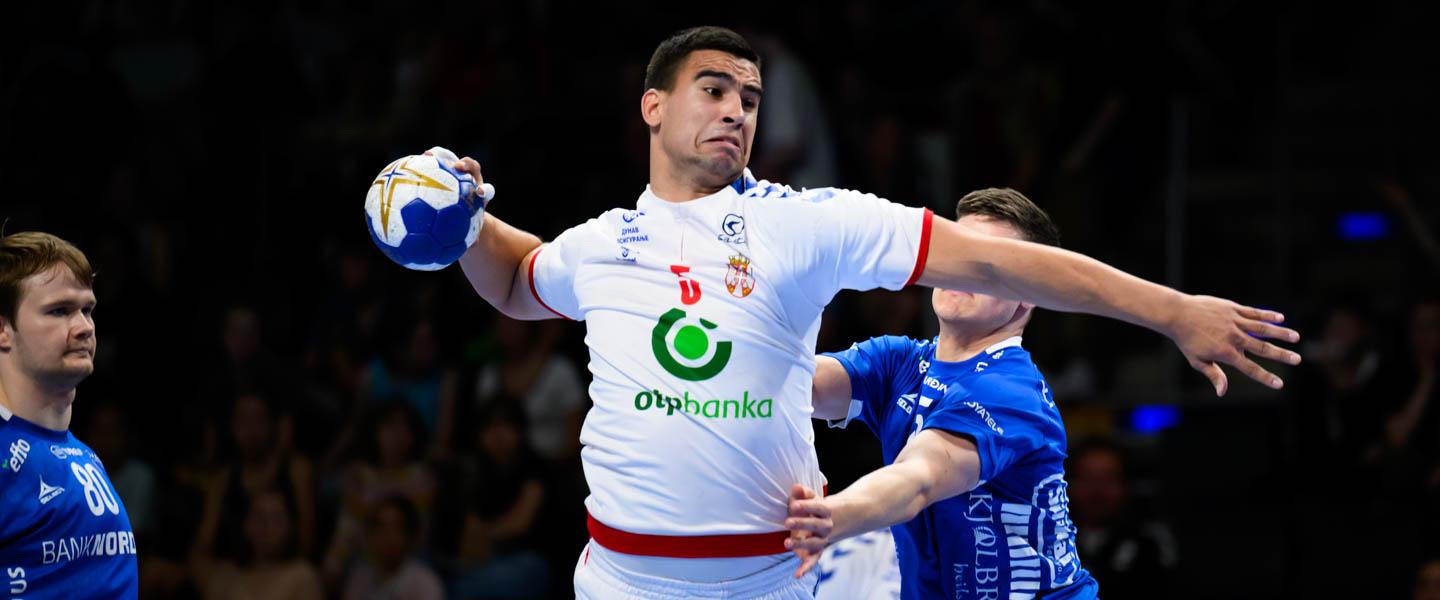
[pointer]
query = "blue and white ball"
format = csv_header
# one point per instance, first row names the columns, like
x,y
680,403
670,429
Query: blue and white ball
x,y
422,213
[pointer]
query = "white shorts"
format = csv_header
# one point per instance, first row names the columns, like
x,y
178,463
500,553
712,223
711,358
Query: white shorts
x,y
864,566
599,577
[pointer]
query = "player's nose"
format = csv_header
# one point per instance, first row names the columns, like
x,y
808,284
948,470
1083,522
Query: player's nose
x,y
84,328
734,111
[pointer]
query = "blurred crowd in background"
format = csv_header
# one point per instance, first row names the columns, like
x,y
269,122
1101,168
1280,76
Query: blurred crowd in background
x,y
284,411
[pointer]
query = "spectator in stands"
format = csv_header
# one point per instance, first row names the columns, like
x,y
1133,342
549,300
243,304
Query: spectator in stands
x,y
262,460
108,431
539,379
1335,416
391,570
270,568
394,467
497,547
1131,556
409,367
1412,423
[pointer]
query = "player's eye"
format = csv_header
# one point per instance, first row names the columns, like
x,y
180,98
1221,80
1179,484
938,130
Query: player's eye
x,y
713,91
57,312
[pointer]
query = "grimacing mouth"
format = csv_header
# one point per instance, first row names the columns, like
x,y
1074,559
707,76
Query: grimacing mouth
x,y
730,139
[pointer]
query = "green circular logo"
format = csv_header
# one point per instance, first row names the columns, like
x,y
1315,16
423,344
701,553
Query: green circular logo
x,y
691,343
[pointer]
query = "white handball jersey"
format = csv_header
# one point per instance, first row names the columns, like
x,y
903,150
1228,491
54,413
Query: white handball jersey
x,y
701,320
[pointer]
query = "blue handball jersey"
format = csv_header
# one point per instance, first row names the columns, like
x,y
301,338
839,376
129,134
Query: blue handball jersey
x,y
63,531
1009,538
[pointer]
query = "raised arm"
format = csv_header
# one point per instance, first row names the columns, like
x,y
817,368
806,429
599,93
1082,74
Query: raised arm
x,y
1208,330
498,264
934,466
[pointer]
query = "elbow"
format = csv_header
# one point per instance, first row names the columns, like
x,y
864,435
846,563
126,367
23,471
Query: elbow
x,y
519,310
935,486
922,499
912,510
509,311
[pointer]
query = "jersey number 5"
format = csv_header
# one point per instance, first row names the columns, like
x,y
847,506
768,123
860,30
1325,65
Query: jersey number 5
x,y
97,491
689,288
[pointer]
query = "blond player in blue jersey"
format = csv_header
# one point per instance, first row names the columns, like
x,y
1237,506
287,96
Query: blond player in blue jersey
x,y
702,301
64,532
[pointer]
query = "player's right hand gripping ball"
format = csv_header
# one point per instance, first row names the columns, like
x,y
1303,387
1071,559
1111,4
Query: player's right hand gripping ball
x,y
422,213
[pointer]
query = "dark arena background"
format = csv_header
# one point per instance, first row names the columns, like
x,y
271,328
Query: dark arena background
x,y
211,158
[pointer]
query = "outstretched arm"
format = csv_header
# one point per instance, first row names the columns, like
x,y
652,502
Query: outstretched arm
x,y
498,263
1207,330
933,466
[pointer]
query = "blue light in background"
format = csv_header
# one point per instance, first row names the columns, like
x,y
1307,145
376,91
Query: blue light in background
x,y
1154,418
1363,226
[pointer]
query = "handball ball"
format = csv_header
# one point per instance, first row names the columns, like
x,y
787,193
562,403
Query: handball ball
x,y
422,213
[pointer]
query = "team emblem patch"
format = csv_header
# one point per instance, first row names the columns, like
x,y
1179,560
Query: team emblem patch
x,y
740,280
49,492
732,229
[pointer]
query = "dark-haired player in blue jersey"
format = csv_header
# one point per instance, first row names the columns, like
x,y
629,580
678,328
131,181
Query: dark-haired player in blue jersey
x,y
974,446
63,531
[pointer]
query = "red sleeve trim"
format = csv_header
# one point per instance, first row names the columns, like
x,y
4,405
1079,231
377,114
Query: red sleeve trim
x,y
924,248
536,293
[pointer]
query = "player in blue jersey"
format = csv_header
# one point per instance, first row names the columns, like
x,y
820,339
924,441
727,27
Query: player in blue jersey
x,y
975,448
63,531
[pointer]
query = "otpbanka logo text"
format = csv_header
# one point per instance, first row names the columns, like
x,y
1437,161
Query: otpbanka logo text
x,y
684,348
744,407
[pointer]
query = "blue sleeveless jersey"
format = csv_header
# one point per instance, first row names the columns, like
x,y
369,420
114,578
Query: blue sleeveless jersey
x,y
63,531
1011,537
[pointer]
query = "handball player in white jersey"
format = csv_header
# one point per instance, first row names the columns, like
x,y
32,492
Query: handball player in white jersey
x,y
702,300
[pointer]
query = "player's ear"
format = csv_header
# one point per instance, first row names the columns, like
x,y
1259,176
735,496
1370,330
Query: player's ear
x,y
652,104
7,335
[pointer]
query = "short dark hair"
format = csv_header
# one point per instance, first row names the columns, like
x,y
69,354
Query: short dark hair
x,y
671,53
1010,206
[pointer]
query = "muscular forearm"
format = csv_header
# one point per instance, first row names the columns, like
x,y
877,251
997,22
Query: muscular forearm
x,y
933,466
894,494
494,262
1046,276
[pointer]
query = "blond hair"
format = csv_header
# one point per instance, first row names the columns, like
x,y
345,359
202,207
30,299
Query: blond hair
x,y
30,252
